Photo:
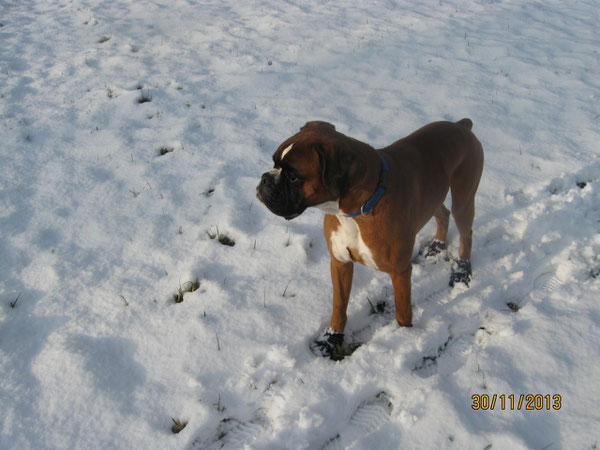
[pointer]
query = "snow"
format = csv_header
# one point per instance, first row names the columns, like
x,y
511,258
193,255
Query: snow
x,y
99,230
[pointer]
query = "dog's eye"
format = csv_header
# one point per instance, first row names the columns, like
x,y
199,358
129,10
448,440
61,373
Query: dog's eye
x,y
292,177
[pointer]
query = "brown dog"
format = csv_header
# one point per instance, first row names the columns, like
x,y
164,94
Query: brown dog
x,y
376,201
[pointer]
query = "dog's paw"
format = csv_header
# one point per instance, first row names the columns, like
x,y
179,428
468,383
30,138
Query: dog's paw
x,y
434,251
461,272
328,343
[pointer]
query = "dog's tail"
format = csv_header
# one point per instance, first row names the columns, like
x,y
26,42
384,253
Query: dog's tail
x,y
467,123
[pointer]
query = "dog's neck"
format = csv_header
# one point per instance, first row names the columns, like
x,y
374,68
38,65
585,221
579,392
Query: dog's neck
x,y
364,185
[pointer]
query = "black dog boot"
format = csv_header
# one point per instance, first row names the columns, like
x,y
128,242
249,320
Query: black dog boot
x,y
461,272
432,250
327,343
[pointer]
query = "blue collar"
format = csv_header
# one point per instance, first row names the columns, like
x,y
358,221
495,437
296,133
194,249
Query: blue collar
x,y
368,206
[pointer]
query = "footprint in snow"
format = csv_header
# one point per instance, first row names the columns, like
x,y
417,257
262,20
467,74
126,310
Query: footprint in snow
x,y
233,433
367,418
543,285
546,283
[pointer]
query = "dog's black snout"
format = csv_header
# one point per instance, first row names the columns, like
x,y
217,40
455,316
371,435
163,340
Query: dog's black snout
x,y
266,178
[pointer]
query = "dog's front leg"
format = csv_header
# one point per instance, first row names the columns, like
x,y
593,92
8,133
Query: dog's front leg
x,y
401,284
329,342
341,277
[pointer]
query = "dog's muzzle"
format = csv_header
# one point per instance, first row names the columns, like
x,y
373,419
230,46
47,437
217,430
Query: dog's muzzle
x,y
266,188
274,195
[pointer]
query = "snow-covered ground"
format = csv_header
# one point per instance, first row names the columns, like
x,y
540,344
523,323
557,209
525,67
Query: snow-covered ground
x,y
99,229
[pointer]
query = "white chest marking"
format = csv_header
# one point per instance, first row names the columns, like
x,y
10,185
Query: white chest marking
x,y
286,151
346,238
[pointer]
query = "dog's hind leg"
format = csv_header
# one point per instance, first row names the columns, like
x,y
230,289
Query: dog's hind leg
x,y
463,185
442,218
463,217
438,245
401,284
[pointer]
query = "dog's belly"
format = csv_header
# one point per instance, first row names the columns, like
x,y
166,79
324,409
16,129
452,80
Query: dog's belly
x,y
347,244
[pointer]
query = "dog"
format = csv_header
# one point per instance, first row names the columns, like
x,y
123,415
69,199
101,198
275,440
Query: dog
x,y
376,201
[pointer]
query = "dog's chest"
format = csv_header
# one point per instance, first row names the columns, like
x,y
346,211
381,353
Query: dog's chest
x,y
347,244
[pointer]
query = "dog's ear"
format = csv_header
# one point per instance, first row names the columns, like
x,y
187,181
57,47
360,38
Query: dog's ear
x,y
318,124
337,167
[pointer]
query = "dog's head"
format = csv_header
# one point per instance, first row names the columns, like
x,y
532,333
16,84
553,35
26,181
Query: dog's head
x,y
311,168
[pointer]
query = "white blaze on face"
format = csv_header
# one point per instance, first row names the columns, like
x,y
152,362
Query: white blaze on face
x,y
276,174
347,238
286,151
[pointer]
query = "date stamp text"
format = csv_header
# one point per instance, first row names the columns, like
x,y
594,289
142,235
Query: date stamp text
x,y
518,402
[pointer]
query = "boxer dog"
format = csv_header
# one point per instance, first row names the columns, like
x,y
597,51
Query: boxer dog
x,y
376,201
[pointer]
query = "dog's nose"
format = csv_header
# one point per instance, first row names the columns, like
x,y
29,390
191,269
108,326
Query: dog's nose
x,y
266,178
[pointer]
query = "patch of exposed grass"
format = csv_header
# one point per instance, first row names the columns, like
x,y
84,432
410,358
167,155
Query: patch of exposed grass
x,y
178,425
222,238
219,406
188,286
209,192
14,302
342,351
429,360
377,308
145,96
513,306
110,92
285,293
165,149
191,286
